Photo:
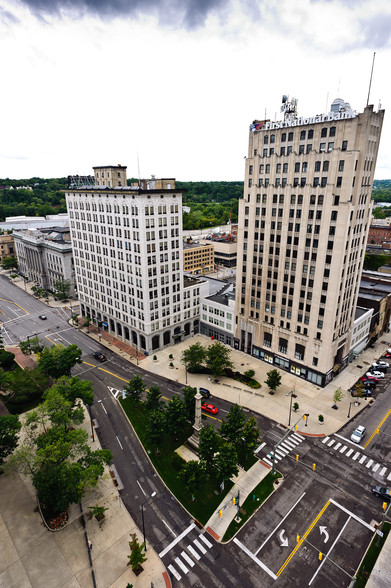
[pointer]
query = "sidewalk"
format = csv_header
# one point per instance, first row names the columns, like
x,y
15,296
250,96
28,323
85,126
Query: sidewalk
x,y
33,556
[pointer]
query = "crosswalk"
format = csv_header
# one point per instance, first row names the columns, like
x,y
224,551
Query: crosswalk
x,y
284,448
358,456
187,558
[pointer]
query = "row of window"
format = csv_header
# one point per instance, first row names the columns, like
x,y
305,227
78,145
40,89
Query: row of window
x,y
323,148
303,165
303,135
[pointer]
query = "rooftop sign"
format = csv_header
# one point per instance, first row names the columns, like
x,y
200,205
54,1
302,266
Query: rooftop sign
x,y
301,120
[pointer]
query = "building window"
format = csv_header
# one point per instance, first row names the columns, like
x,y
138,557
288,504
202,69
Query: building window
x,y
344,145
324,132
341,165
317,166
332,131
322,147
290,136
299,352
283,345
339,181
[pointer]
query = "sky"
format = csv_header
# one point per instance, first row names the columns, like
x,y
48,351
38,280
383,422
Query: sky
x,y
170,87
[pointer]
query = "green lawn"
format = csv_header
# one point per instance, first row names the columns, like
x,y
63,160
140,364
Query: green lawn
x,y
252,503
168,464
371,557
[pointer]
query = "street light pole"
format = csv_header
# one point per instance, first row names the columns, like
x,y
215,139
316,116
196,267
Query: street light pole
x,y
306,418
142,516
292,394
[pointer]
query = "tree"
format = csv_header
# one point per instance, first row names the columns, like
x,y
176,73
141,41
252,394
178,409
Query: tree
x,y
193,474
249,435
72,389
31,345
209,444
61,288
87,322
153,398
135,388
226,461
26,385
59,360
273,380
8,263
6,359
193,357
231,428
137,555
155,428
175,415
9,429
338,395
75,318
189,402
218,358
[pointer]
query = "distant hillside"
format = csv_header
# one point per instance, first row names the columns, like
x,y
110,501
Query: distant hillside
x,y
381,190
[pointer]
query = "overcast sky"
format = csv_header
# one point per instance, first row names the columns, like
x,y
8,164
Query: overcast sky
x,y
174,84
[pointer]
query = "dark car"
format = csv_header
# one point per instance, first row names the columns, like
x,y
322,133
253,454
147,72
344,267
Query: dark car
x,y
209,408
384,493
42,317
361,394
371,384
204,392
99,356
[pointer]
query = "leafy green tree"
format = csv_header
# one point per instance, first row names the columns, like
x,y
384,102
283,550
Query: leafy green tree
x,y
218,358
60,411
75,318
249,435
231,428
137,555
273,380
193,357
337,397
175,415
189,402
226,461
193,474
209,444
135,388
155,428
59,360
72,389
26,385
62,288
9,435
31,345
6,359
153,398
87,322
9,263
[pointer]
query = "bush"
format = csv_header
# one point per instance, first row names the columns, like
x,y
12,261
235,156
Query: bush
x,y
176,461
249,374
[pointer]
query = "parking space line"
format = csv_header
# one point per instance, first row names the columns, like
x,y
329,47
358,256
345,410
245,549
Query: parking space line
x,y
299,544
255,559
329,551
280,523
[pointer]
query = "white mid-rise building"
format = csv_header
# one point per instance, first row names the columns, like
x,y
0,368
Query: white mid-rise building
x,y
128,252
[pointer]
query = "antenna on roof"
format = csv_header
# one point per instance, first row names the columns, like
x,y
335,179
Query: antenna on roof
x,y
370,80
138,168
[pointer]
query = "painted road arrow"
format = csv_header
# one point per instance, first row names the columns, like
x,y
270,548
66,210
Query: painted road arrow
x,y
322,531
284,540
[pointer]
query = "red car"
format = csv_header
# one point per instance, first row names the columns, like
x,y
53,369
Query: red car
x,y
209,408
367,377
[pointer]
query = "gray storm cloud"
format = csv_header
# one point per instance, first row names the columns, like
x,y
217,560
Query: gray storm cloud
x,y
189,13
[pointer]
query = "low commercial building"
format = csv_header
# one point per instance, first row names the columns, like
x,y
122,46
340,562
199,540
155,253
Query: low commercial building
x,y
7,246
45,256
361,331
217,300
198,258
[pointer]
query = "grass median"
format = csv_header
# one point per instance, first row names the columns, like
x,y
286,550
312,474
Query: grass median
x,y
371,557
168,464
252,503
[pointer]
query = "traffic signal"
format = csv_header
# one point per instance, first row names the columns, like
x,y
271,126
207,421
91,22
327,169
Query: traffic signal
x,y
385,505
220,513
234,500
304,417
320,556
297,457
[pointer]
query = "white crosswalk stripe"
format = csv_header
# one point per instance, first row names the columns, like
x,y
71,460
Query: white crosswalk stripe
x,y
343,449
288,444
298,436
200,547
369,463
295,441
270,463
348,453
174,572
376,467
331,443
325,439
206,541
389,477
356,455
382,471
193,552
337,446
364,457
181,565
187,559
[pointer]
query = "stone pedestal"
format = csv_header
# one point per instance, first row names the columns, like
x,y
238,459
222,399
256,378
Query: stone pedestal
x,y
194,440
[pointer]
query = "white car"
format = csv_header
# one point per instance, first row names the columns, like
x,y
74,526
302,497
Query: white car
x,y
358,434
375,374
381,363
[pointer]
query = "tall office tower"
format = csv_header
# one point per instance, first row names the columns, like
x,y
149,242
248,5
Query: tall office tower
x,y
303,226
128,257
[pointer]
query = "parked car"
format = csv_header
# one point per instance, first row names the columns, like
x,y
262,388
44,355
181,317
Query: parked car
x,y
358,435
381,363
371,384
387,355
99,356
42,317
204,392
378,367
364,394
384,493
369,376
209,408
376,374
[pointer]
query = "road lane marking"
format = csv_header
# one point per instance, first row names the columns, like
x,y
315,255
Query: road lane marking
x,y
141,488
299,544
111,374
205,540
184,569
280,523
173,543
255,559
16,304
163,521
329,551
119,443
174,572
54,343
377,428
103,406
200,547
353,516
187,559
261,446
193,552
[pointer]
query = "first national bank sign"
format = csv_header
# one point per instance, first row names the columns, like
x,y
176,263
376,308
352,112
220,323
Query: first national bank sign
x,y
300,121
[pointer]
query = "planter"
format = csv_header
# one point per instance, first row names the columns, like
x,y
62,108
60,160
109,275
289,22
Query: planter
x,y
137,571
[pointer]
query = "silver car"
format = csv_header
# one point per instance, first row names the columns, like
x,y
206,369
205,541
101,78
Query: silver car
x,y
358,435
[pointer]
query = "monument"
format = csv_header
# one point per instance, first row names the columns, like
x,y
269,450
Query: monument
x,y
195,438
